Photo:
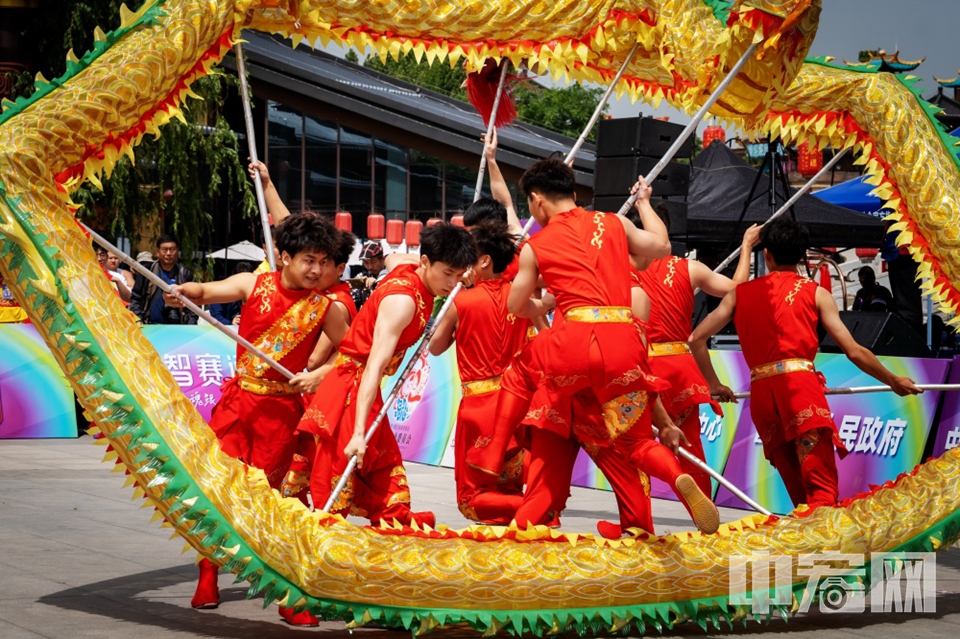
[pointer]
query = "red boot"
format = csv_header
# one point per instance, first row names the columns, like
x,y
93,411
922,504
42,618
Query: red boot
x,y
208,593
609,530
303,618
424,518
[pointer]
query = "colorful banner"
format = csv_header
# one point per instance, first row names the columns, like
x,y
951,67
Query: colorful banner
x,y
198,357
35,399
948,428
425,412
884,433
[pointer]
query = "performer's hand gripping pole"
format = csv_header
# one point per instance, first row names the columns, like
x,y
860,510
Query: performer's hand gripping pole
x,y
597,112
167,288
252,145
786,205
491,125
388,402
696,461
858,390
692,127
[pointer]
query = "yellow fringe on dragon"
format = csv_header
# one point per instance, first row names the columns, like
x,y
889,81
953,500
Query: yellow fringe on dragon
x,y
535,580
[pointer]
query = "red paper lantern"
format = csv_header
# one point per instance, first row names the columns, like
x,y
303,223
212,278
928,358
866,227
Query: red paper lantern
x,y
413,229
457,220
867,254
394,232
343,221
375,227
809,161
433,221
712,133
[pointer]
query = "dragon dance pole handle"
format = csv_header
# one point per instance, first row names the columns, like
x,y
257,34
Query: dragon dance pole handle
x,y
424,343
696,461
859,390
692,127
786,205
166,288
491,125
252,146
571,156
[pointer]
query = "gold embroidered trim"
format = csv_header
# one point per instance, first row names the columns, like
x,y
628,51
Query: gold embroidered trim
x,y
260,386
480,386
668,348
781,367
671,271
598,234
600,314
279,340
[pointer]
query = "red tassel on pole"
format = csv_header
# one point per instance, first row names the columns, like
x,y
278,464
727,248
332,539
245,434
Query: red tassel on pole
x,y
482,93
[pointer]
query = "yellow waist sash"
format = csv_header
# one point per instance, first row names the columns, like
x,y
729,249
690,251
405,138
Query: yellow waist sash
x,y
260,386
392,367
781,367
480,386
668,348
599,314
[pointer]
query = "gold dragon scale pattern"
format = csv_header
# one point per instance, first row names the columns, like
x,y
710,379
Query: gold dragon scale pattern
x,y
533,580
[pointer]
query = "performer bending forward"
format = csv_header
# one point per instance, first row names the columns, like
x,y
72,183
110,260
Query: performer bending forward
x,y
776,317
488,337
348,399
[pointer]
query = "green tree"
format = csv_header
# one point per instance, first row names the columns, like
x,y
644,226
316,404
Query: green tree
x,y
183,175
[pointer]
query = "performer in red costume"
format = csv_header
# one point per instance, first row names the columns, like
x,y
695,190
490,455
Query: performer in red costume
x,y
670,282
487,337
595,355
391,321
283,315
776,317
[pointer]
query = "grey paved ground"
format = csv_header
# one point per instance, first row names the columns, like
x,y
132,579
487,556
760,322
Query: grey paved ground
x,y
79,559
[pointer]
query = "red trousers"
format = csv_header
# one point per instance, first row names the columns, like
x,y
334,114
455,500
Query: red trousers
x,y
808,468
551,465
478,498
259,429
379,489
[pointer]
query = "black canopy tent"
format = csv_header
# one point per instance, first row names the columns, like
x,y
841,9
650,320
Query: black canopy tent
x,y
720,184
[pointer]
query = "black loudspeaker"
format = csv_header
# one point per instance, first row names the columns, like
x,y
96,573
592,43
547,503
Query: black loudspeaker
x,y
639,136
615,176
676,209
882,333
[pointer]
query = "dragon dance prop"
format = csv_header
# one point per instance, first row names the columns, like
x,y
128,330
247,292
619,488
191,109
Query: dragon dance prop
x,y
532,580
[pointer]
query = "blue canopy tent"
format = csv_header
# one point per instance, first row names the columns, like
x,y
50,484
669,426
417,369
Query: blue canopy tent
x,y
855,195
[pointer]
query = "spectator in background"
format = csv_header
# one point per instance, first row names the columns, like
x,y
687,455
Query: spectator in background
x,y
111,266
229,313
145,258
147,301
872,296
374,269
374,263
115,267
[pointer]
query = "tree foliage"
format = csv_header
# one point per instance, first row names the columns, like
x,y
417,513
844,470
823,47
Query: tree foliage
x,y
183,176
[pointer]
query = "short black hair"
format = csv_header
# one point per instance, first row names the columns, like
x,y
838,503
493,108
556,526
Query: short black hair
x,y
300,233
786,239
348,242
494,238
167,238
450,244
869,272
486,208
551,178
660,209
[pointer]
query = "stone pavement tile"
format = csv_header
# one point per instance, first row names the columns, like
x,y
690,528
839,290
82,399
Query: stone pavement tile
x,y
11,631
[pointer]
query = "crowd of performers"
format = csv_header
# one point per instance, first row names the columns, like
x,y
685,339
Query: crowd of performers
x,y
618,361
